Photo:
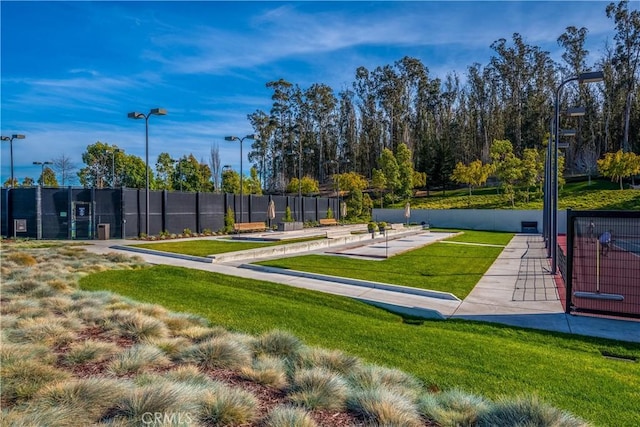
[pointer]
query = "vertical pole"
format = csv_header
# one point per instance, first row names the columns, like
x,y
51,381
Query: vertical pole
x,y
241,139
569,274
38,213
11,155
146,169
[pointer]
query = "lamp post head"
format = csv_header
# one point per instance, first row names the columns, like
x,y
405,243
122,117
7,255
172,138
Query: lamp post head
x,y
135,115
591,77
251,136
37,163
158,112
231,138
17,136
47,163
575,112
568,132
4,138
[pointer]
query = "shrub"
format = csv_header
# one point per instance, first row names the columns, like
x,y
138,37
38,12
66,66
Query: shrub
x,y
278,343
227,406
218,352
526,411
372,227
287,215
187,232
138,358
229,221
287,416
452,408
329,213
384,407
318,388
267,370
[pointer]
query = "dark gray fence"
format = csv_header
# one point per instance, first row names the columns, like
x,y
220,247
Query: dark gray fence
x,y
602,272
78,213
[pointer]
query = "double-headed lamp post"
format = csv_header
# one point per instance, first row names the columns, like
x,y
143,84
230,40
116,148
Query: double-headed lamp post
x,y
42,164
135,115
113,165
235,138
589,77
10,139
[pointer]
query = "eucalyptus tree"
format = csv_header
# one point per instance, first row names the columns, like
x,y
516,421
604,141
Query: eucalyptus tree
x,y
371,134
215,166
347,129
626,57
262,149
322,103
575,62
282,116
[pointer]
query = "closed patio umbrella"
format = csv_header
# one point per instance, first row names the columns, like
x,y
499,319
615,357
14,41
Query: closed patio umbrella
x,y
271,211
407,211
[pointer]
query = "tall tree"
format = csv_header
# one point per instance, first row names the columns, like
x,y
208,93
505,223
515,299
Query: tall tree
x,y
627,56
65,167
48,178
215,166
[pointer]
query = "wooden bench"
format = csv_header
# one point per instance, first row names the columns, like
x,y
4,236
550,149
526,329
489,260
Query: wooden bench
x,y
328,221
249,226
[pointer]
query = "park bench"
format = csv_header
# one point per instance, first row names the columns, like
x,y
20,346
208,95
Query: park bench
x,y
249,226
328,221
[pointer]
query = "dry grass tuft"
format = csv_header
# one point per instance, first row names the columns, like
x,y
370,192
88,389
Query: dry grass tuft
x,y
453,408
289,416
267,370
23,378
526,411
218,352
318,388
227,406
89,351
21,259
383,407
139,358
332,360
278,343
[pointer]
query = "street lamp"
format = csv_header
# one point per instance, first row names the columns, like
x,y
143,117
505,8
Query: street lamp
x,y
235,138
42,164
135,115
589,77
10,139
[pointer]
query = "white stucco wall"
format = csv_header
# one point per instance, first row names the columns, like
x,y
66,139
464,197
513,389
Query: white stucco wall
x,y
471,219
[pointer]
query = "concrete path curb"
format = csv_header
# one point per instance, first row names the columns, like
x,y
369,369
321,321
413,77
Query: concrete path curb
x,y
354,282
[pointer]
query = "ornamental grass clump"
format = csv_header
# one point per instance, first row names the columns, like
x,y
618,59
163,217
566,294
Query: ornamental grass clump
x,y
453,408
370,376
164,397
278,343
526,411
137,326
380,406
89,351
222,405
289,416
48,330
318,388
23,378
217,352
139,358
270,371
92,395
332,360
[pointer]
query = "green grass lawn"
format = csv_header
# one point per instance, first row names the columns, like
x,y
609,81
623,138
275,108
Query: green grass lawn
x,y
601,194
429,267
566,371
206,247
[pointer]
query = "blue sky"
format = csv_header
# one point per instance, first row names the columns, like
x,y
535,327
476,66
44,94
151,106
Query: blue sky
x,y
71,71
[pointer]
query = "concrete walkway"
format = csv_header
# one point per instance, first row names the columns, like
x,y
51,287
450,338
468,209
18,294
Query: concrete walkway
x,y
517,289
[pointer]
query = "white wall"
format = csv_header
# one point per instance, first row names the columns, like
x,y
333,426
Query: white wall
x,y
471,219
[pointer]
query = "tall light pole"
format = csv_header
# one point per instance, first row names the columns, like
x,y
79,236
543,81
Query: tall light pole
x,y
135,115
589,77
42,164
235,138
10,139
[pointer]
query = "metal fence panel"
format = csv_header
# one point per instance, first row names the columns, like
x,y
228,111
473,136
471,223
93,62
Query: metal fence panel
x,y
212,211
603,262
180,212
108,210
